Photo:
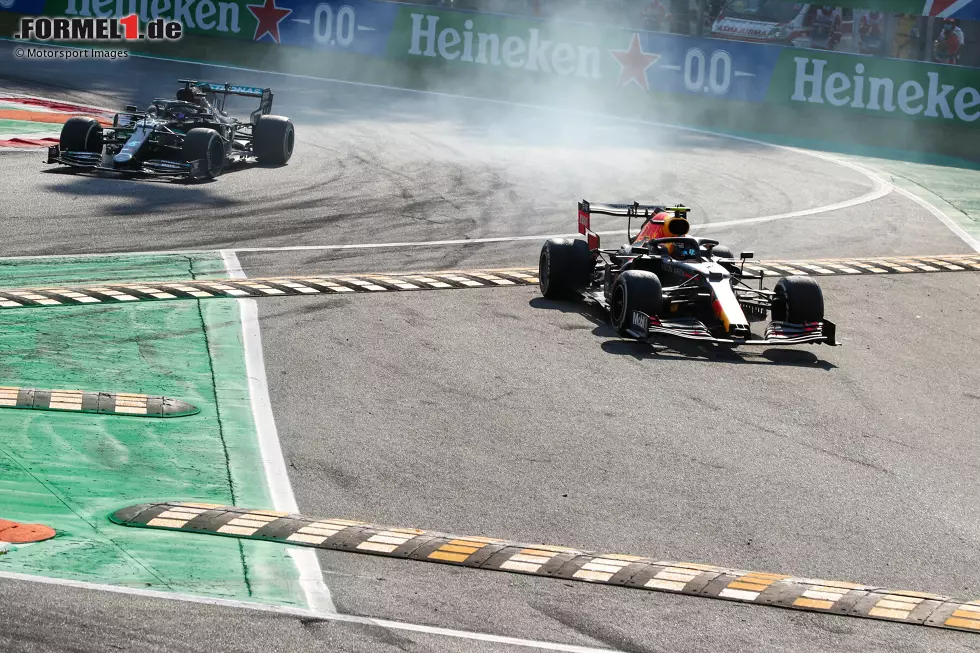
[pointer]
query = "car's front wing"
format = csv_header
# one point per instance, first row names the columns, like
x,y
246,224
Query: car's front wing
x,y
103,161
643,326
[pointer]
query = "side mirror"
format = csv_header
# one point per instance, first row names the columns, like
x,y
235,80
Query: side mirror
x,y
746,255
132,108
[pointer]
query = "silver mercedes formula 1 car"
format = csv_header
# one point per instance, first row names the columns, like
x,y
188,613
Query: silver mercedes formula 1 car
x,y
191,137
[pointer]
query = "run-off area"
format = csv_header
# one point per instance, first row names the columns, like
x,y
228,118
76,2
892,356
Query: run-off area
x,y
71,471
499,413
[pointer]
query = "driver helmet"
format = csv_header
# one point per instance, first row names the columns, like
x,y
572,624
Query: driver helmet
x,y
681,251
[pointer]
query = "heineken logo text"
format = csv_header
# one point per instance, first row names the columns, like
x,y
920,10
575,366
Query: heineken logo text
x,y
532,53
193,14
931,98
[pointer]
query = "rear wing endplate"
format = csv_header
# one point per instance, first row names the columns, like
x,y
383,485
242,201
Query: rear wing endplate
x,y
587,209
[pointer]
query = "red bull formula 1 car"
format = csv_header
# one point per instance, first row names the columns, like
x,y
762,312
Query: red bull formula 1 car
x,y
666,283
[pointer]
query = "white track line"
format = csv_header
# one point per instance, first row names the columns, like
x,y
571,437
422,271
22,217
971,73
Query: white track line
x,y
307,614
936,211
880,188
307,564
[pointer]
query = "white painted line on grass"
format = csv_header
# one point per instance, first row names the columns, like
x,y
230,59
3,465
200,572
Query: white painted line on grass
x,y
307,614
306,561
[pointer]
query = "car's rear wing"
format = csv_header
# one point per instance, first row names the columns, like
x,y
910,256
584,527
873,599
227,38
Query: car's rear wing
x,y
224,90
587,209
632,210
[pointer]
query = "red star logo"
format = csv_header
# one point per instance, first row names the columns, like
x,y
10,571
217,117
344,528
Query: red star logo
x,y
268,16
634,63
939,6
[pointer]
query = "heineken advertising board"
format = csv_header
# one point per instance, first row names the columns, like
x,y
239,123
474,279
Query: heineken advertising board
x,y
521,51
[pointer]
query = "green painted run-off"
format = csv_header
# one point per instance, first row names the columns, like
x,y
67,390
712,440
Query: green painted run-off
x,y
72,471
25,127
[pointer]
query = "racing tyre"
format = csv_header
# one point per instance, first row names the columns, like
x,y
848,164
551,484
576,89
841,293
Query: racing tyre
x,y
798,300
565,268
634,290
205,145
720,251
273,138
81,135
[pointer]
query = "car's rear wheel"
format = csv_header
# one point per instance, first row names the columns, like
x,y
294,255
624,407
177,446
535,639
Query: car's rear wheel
x,y
81,134
634,290
205,145
564,268
798,300
273,138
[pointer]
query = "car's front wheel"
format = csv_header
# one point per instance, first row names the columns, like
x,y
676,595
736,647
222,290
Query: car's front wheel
x,y
634,290
205,145
798,300
81,134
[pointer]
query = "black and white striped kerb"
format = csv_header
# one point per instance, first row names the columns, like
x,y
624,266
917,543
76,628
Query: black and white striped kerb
x,y
857,266
813,595
125,292
122,292
103,403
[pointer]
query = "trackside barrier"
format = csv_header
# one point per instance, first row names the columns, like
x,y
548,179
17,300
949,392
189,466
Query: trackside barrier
x,y
830,97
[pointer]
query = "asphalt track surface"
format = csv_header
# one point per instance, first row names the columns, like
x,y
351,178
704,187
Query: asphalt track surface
x,y
499,413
